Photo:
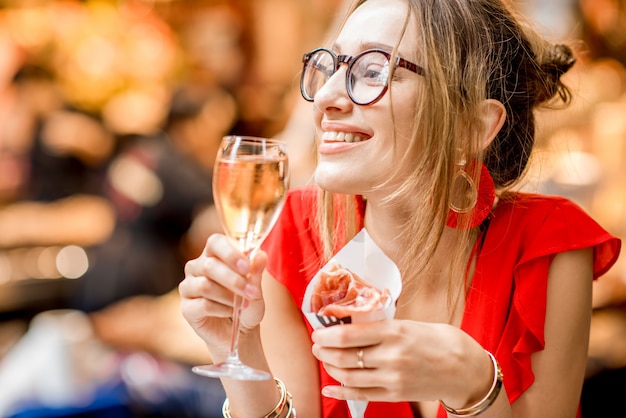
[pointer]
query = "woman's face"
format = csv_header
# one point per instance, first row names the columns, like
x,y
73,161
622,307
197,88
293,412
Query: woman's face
x,y
358,166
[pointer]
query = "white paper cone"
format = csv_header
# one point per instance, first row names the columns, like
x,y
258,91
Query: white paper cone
x,y
364,258
357,408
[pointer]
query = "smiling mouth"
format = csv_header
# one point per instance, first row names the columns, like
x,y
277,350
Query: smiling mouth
x,y
333,136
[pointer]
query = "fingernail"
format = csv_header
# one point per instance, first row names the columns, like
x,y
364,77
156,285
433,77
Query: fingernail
x,y
329,391
243,266
251,291
315,349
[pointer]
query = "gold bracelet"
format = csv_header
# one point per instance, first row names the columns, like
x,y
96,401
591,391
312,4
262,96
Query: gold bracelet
x,y
291,412
484,404
285,400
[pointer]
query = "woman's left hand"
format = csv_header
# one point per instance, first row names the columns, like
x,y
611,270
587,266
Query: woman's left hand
x,y
402,361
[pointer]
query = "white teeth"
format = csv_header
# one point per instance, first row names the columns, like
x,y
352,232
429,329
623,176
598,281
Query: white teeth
x,y
341,136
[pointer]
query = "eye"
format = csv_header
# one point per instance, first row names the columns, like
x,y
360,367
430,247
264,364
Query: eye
x,y
372,69
375,74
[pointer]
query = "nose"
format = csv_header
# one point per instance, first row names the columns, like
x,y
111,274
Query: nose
x,y
333,96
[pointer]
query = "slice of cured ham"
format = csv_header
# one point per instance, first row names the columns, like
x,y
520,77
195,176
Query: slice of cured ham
x,y
341,293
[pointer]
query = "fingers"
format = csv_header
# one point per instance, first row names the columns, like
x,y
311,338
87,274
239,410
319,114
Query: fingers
x,y
198,287
218,273
356,356
220,247
367,357
357,383
351,335
221,278
347,392
197,309
225,267
259,262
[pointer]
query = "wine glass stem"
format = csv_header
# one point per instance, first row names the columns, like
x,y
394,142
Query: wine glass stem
x,y
233,355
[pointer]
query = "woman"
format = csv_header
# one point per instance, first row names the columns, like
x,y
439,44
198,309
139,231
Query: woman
x,y
493,285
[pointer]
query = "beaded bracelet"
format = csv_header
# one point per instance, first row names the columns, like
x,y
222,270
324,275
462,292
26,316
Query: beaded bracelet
x,y
484,404
284,401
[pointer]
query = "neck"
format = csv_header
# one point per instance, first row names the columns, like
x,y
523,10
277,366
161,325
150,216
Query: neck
x,y
386,225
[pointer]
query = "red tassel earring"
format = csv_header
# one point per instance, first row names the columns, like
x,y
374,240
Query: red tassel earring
x,y
470,204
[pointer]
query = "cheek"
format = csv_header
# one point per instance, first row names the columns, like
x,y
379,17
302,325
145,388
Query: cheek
x,y
392,166
404,128
404,118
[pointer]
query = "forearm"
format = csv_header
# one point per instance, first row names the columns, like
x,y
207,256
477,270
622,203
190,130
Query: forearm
x,y
474,395
251,398
499,409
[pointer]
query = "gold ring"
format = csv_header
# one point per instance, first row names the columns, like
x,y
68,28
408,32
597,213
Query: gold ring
x,y
359,359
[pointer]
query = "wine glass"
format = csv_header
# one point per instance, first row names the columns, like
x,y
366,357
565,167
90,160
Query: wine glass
x,y
250,182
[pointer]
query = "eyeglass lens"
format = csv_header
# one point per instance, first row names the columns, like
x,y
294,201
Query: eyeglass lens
x,y
366,76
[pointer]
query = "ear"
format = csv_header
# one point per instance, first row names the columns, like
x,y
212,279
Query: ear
x,y
492,117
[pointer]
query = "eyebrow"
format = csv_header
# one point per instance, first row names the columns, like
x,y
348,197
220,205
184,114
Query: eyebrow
x,y
368,45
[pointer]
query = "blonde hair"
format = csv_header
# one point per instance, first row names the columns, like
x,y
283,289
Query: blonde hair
x,y
472,50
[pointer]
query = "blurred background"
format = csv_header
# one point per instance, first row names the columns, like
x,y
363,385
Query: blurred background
x,y
110,115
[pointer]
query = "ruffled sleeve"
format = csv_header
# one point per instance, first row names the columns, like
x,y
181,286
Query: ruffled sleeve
x,y
506,306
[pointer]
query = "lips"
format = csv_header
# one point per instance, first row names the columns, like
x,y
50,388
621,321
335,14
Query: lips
x,y
336,136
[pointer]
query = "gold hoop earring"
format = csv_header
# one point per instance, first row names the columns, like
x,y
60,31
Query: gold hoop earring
x,y
464,193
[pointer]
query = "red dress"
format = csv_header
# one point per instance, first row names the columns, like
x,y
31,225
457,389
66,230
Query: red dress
x,y
506,304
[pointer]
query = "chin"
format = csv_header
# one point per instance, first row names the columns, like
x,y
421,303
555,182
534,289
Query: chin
x,y
327,180
336,182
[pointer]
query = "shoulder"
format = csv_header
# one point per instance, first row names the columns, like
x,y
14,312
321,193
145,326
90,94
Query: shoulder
x,y
531,214
546,225
532,206
506,307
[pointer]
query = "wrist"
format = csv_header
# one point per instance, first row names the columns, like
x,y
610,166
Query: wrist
x,y
468,373
478,402
282,409
249,347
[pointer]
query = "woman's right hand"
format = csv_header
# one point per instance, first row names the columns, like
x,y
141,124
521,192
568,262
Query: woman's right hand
x,y
210,283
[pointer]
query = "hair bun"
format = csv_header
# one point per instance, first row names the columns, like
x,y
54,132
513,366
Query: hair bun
x,y
561,60
556,62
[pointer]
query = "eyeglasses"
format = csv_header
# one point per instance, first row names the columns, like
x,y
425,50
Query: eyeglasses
x,y
367,75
